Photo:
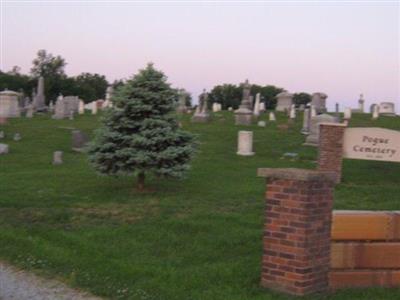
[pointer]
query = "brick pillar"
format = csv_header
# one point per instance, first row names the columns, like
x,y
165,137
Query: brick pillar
x,y
331,148
297,231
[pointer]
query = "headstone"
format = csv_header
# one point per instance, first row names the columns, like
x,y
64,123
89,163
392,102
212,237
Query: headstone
x,y
361,103
313,112
261,123
29,112
230,108
9,104
2,135
318,100
109,93
94,108
39,103
243,115
57,157
201,114
215,107
17,137
337,108
71,115
272,117
375,113
302,107
4,149
81,109
387,109
245,143
306,122
284,101
292,114
313,138
347,113
262,106
181,103
256,110
65,105
79,140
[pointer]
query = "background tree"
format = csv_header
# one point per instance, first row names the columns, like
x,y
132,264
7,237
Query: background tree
x,y
229,95
301,98
140,134
91,87
15,81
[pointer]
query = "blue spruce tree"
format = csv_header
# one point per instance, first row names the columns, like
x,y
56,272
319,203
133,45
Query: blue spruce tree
x,y
140,134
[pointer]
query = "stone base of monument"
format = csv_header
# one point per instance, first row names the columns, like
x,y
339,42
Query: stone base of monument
x,y
311,140
201,118
243,116
388,114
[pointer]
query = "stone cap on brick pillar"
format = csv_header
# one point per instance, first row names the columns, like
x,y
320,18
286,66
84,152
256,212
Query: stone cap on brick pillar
x,y
297,174
333,124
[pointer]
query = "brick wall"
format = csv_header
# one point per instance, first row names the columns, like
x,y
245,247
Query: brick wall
x,y
296,242
331,148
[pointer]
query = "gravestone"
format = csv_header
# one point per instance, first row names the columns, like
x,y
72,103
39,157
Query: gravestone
x,y
65,105
230,108
201,114
243,115
284,101
347,113
256,110
79,140
306,122
29,112
245,143
313,138
375,113
272,117
387,109
181,103
318,100
39,103
81,108
2,135
17,137
9,104
261,123
4,149
94,108
262,106
57,157
215,107
292,114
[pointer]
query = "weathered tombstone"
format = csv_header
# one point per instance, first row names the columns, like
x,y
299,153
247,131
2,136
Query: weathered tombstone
x,y
272,117
313,112
361,103
313,138
306,122
243,115
182,108
65,105
375,113
284,101
29,112
81,109
318,100
387,109
4,149
261,123
347,113
17,137
2,135
94,108
79,140
201,114
230,108
215,107
9,104
292,113
245,143
256,110
57,157
302,107
39,103
262,106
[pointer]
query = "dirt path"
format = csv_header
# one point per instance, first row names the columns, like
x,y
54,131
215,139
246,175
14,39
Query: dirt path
x,y
21,285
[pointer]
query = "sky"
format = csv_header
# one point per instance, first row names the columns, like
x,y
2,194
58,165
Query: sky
x,y
341,48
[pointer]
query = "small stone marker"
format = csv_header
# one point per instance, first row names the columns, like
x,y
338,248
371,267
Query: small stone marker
x,y
57,157
375,113
262,106
30,112
261,123
245,143
2,135
292,113
79,140
94,108
4,149
272,117
230,108
306,122
347,113
17,137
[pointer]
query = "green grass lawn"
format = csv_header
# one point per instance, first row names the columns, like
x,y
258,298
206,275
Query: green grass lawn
x,y
198,238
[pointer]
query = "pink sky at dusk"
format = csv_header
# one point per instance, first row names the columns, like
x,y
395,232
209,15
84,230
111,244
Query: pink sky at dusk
x,y
339,48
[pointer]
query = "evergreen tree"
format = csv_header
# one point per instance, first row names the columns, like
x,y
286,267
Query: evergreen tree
x,y
140,133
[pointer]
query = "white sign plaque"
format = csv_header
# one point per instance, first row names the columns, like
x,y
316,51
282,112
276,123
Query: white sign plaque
x,y
372,144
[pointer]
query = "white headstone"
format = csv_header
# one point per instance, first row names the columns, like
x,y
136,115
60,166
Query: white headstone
x,y
57,158
262,106
284,102
292,112
9,104
4,149
81,108
261,123
17,137
347,113
245,143
94,108
313,111
272,116
215,107
375,113
256,110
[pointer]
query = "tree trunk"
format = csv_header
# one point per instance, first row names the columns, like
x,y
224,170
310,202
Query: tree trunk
x,y
140,181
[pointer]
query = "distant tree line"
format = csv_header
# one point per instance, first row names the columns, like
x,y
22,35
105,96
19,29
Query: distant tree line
x,y
230,95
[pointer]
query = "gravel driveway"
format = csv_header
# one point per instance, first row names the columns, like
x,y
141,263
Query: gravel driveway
x,y
21,285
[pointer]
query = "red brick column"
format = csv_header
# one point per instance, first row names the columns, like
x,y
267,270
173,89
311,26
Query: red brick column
x,y
297,231
331,148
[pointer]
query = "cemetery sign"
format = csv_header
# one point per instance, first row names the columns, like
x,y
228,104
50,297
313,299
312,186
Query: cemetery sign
x,y
372,144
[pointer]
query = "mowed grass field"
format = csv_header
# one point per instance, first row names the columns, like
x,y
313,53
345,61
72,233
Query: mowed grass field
x,y
197,238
